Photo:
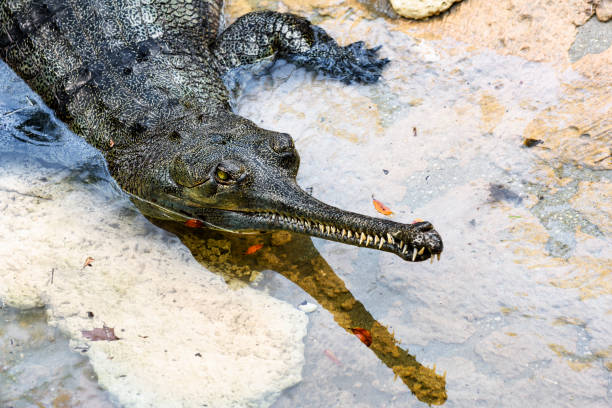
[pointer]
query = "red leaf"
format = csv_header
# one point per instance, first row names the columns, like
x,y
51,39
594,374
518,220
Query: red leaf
x,y
193,223
381,208
362,334
97,334
253,248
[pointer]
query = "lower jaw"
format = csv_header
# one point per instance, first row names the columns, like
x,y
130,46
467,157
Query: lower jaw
x,y
356,237
253,222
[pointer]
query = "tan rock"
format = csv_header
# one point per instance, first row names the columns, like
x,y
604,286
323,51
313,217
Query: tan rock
x,y
421,8
604,10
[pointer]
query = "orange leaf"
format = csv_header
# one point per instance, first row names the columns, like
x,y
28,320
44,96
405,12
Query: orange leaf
x,y
362,334
111,143
88,261
193,223
381,208
417,220
253,248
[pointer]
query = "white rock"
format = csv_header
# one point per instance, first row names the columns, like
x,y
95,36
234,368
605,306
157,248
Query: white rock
x,y
307,307
186,339
421,8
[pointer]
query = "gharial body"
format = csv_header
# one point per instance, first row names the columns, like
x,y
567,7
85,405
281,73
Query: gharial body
x,y
142,81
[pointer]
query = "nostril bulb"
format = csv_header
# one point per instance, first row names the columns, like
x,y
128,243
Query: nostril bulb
x,y
282,143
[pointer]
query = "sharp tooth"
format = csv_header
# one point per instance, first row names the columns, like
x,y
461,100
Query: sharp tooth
x,y
431,260
390,238
327,229
414,254
421,251
307,223
321,227
382,241
333,229
361,238
401,244
438,256
349,234
369,239
376,239
405,250
343,232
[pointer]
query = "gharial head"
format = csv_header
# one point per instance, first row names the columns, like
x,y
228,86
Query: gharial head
x,y
235,176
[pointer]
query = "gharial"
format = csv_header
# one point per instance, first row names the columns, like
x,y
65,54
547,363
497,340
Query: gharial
x,y
142,81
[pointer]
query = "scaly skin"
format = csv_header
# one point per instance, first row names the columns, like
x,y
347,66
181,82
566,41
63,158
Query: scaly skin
x,y
141,80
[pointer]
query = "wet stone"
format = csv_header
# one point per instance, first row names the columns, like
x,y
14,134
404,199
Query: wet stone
x,y
38,366
593,37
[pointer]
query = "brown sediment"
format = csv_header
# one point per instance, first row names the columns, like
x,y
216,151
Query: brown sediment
x,y
594,200
585,111
508,27
295,257
492,112
579,362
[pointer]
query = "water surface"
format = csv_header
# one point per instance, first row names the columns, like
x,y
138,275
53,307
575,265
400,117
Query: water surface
x,y
517,313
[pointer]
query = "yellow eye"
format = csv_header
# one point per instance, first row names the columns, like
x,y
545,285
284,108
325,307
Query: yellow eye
x,y
222,175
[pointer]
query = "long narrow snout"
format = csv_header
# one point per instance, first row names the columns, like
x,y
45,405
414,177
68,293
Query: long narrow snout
x,y
287,207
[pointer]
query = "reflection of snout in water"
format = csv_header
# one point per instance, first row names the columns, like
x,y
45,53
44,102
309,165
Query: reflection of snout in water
x,y
295,257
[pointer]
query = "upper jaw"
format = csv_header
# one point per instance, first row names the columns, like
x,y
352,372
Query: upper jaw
x,y
412,242
295,210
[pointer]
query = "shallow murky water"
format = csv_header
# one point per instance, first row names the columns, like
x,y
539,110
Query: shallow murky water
x,y
39,369
518,311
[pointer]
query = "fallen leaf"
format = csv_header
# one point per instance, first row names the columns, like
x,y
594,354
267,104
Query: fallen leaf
x,y
362,334
193,223
381,208
253,248
111,143
332,357
88,261
97,334
417,220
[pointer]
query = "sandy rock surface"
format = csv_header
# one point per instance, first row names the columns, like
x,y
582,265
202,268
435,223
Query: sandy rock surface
x,y
604,10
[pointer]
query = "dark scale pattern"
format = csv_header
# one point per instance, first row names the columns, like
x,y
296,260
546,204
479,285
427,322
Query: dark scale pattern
x,y
147,74
260,35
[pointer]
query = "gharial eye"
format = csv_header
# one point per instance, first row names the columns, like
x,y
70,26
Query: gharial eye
x,y
229,172
222,175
